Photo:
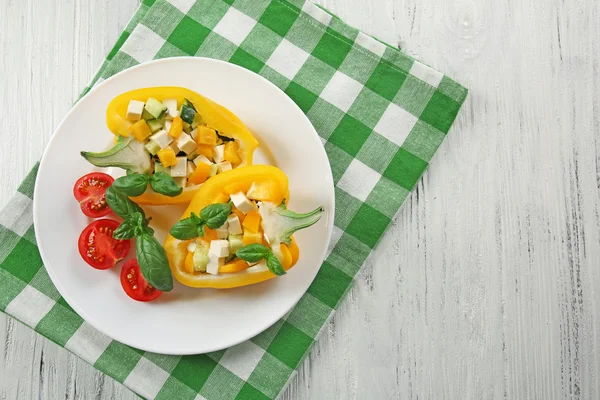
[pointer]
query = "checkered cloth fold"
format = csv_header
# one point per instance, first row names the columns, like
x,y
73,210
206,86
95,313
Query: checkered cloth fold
x,y
381,116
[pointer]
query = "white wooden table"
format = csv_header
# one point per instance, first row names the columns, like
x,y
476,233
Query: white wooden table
x,y
488,283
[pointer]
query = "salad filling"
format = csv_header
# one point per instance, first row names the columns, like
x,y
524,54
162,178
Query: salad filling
x,y
176,132
237,230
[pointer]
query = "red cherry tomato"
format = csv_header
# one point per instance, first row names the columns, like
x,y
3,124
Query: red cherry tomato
x,y
135,285
97,246
90,192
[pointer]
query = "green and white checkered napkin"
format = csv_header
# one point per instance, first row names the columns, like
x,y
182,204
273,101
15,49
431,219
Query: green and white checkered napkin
x,y
381,116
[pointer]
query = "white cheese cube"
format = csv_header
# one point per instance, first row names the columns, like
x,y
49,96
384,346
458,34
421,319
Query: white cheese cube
x,y
194,134
203,159
167,126
179,170
214,263
191,167
135,110
242,203
219,248
186,143
224,166
222,231
235,227
171,105
219,153
161,138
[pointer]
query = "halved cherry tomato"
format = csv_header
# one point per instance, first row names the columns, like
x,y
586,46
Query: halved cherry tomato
x,y
134,283
90,192
97,246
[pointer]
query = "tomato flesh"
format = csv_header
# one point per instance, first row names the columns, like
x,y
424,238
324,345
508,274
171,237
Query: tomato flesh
x,y
90,192
135,285
98,248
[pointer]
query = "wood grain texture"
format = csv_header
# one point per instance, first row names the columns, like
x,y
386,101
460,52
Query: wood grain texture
x,y
487,284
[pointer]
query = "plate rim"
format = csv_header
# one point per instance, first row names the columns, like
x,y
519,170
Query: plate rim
x,y
158,348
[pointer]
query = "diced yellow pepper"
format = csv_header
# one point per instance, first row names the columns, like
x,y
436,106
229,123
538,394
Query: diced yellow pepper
x,y
167,157
200,174
204,150
206,135
252,237
241,216
294,251
233,266
261,191
140,130
252,221
209,234
189,262
286,256
221,198
231,152
176,127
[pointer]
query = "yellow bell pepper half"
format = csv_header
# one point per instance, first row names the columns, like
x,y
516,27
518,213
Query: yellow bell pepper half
x,y
274,188
215,116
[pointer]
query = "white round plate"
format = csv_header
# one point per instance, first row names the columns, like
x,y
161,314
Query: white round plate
x,y
186,320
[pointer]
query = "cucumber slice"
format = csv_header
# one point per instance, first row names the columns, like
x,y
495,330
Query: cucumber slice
x,y
201,257
155,108
187,113
152,147
198,120
213,169
128,154
235,243
187,128
192,155
158,167
146,115
188,103
155,125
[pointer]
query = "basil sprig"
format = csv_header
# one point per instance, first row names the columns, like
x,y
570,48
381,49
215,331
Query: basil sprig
x,y
253,253
163,183
150,254
213,216
132,184
121,204
136,184
152,260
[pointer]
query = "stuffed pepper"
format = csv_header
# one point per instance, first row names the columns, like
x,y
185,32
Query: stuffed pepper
x,y
237,230
170,140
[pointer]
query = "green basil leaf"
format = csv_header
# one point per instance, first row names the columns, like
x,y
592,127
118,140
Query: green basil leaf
x,y
186,229
274,265
121,204
215,215
253,252
153,262
125,231
162,183
132,185
194,217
